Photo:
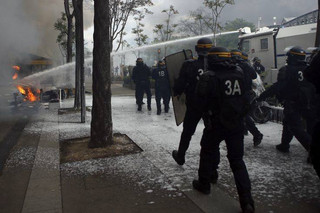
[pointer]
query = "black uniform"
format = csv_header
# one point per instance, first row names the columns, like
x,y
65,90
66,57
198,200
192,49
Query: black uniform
x,y
226,103
258,67
140,75
162,87
312,74
187,81
297,95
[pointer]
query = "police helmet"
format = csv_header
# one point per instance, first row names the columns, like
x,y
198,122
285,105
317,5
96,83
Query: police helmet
x,y
256,59
203,46
219,54
236,54
161,63
244,56
295,55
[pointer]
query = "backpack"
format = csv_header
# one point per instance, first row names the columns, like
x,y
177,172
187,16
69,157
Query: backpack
x,y
230,100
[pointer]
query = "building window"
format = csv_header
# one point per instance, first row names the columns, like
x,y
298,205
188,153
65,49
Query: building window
x,y
246,46
264,44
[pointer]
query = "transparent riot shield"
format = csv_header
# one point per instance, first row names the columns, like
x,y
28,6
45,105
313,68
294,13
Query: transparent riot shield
x,y
174,63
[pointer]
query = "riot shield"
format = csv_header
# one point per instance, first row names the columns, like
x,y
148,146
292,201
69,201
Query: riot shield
x,y
174,63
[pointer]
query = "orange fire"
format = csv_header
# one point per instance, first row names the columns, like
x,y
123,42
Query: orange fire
x,y
29,94
21,90
15,76
17,68
31,97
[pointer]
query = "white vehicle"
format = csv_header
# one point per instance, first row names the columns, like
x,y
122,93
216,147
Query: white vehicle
x,y
269,43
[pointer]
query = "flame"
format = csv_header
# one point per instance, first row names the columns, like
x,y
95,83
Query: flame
x,y
15,76
17,68
21,90
29,94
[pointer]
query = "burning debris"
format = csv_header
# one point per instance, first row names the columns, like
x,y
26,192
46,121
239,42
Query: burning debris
x,y
30,94
16,70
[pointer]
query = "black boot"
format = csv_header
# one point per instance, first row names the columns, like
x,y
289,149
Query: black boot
x,y
214,177
139,107
282,148
149,107
166,109
248,208
203,188
257,139
179,159
247,205
158,111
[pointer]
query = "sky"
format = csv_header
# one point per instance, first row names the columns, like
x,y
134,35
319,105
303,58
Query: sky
x,y
249,10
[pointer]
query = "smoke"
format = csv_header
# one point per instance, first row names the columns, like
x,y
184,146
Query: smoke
x,y
27,27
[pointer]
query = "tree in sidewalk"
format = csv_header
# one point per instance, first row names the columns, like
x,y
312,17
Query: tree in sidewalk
x,y
101,123
216,7
70,30
165,31
79,93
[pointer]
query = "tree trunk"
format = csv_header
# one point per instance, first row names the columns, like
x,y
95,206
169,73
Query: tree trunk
x,y
101,123
69,40
317,42
69,36
79,101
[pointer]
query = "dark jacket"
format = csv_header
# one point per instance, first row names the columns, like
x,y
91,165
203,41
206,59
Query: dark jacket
x,y
291,86
141,73
161,77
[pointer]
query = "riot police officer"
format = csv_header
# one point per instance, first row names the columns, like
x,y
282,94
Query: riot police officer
x,y
224,92
140,75
162,87
239,59
312,74
297,96
258,67
186,83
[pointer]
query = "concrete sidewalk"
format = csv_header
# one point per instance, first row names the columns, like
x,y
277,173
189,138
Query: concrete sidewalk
x,y
132,183
149,181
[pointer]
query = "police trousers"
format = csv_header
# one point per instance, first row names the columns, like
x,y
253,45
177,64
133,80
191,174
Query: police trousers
x,y
162,92
190,122
141,88
210,157
293,125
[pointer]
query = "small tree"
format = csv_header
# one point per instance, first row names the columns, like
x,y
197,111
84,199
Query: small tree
x,y
231,41
216,7
196,23
120,11
140,38
166,31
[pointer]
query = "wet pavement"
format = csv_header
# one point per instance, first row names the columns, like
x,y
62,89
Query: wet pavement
x,y
151,180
